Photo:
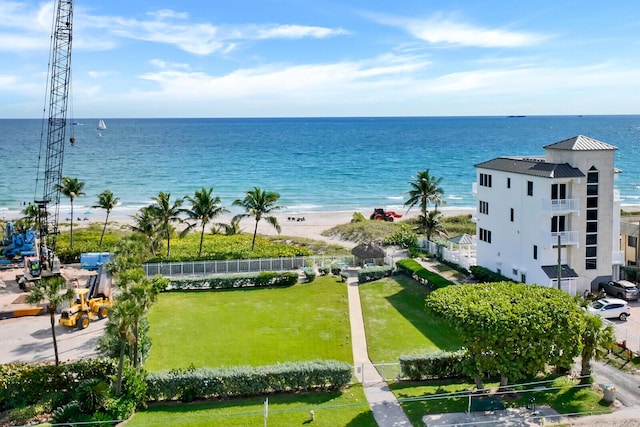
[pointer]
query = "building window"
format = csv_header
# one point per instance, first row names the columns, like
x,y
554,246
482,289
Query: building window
x,y
484,207
592,239
535,251
508,182
529,188
484,235
558,191
592,176
515,271
591,251
592,227
632,241
485,180
499,271
592,190
592,202
523,278
511,214
591,264
558,224
592,214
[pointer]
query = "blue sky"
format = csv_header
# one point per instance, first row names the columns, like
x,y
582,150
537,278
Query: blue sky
x,y
290,58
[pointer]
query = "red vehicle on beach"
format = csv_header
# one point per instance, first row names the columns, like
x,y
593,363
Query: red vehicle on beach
x,y
380,214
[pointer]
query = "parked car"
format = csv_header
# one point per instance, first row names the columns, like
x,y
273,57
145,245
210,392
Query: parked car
x,y
609,308
622,289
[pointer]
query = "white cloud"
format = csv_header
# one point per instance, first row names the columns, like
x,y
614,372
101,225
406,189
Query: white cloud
x,y
442,30
168,14
294,32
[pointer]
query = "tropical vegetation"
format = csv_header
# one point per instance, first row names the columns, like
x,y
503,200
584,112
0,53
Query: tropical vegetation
x,y
72,188
424,189
107,201
259,204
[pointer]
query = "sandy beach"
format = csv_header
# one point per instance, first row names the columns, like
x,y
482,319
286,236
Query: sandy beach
x,y
304,224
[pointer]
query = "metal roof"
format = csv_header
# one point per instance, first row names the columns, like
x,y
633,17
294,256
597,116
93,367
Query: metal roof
x,y
534,167
581,143
552,271
462,239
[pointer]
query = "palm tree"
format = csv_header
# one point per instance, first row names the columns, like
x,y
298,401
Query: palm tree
x,y
106,201
122,315
30,215
595,336
433,224
53,290
204,207
230,229
147,224
425,189
259,204
71,188
166,212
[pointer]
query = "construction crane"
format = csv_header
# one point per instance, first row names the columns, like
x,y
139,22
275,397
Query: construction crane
x,y
45,263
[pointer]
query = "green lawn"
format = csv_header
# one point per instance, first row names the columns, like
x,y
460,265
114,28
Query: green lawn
x,y
331,409
396,323
251,327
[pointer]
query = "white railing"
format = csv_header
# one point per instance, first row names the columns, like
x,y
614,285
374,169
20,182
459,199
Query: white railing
x,y
474,188
204,268
464,258
566,238
569,285
616,195
561,205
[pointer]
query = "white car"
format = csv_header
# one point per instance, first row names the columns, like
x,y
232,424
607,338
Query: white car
x,y
609,308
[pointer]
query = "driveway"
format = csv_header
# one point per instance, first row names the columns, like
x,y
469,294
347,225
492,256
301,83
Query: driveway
x,y
28,339
629,330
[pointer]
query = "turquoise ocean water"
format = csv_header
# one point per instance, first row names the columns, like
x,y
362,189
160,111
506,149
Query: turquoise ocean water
x,y
316,164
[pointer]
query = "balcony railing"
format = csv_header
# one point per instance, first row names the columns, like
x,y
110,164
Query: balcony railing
x,y
474,188
566,238
561,205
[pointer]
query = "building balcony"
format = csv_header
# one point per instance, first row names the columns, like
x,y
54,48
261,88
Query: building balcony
x,y
474,189
566,238
561,205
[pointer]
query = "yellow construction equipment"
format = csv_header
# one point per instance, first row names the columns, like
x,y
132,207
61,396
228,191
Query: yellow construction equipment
x,y
91,302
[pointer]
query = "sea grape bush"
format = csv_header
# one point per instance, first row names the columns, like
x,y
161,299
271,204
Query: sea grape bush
x,y
206,383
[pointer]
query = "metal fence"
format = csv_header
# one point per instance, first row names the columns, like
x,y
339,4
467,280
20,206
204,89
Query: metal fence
x,y
207,268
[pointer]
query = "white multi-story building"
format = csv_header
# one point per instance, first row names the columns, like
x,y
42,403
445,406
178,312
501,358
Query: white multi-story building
x,y
526,205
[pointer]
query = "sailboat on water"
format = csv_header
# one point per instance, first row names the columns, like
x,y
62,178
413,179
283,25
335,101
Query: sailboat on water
x,y
101,125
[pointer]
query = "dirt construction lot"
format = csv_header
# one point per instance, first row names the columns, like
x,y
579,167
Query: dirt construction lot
x,y
28,339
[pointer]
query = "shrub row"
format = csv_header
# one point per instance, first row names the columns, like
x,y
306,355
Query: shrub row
x,y
370,274
205,383
484,275
25,383
433,366
265,278
415,270
309,274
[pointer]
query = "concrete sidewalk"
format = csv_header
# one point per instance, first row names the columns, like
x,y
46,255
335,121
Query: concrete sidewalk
x,y
384,405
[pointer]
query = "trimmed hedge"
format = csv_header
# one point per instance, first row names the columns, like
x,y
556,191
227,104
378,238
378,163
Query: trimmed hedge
x,y
309,274
415,270
25,383
433,366
206,383
370,274
231,281
484,275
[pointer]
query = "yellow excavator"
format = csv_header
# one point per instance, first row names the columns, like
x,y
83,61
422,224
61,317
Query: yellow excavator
x,y
91,302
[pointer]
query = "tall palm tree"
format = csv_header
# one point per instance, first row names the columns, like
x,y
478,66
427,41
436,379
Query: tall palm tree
x,y
54,291
71,188
166,212
147,224
122,315
106,201
30,215
425,189
433,224
595,336
204,207
259,204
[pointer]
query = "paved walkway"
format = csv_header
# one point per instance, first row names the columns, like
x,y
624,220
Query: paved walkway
x,y
384,405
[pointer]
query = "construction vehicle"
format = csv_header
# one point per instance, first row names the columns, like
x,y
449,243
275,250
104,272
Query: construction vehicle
x,y
44,262
90,302
93,260
379,214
